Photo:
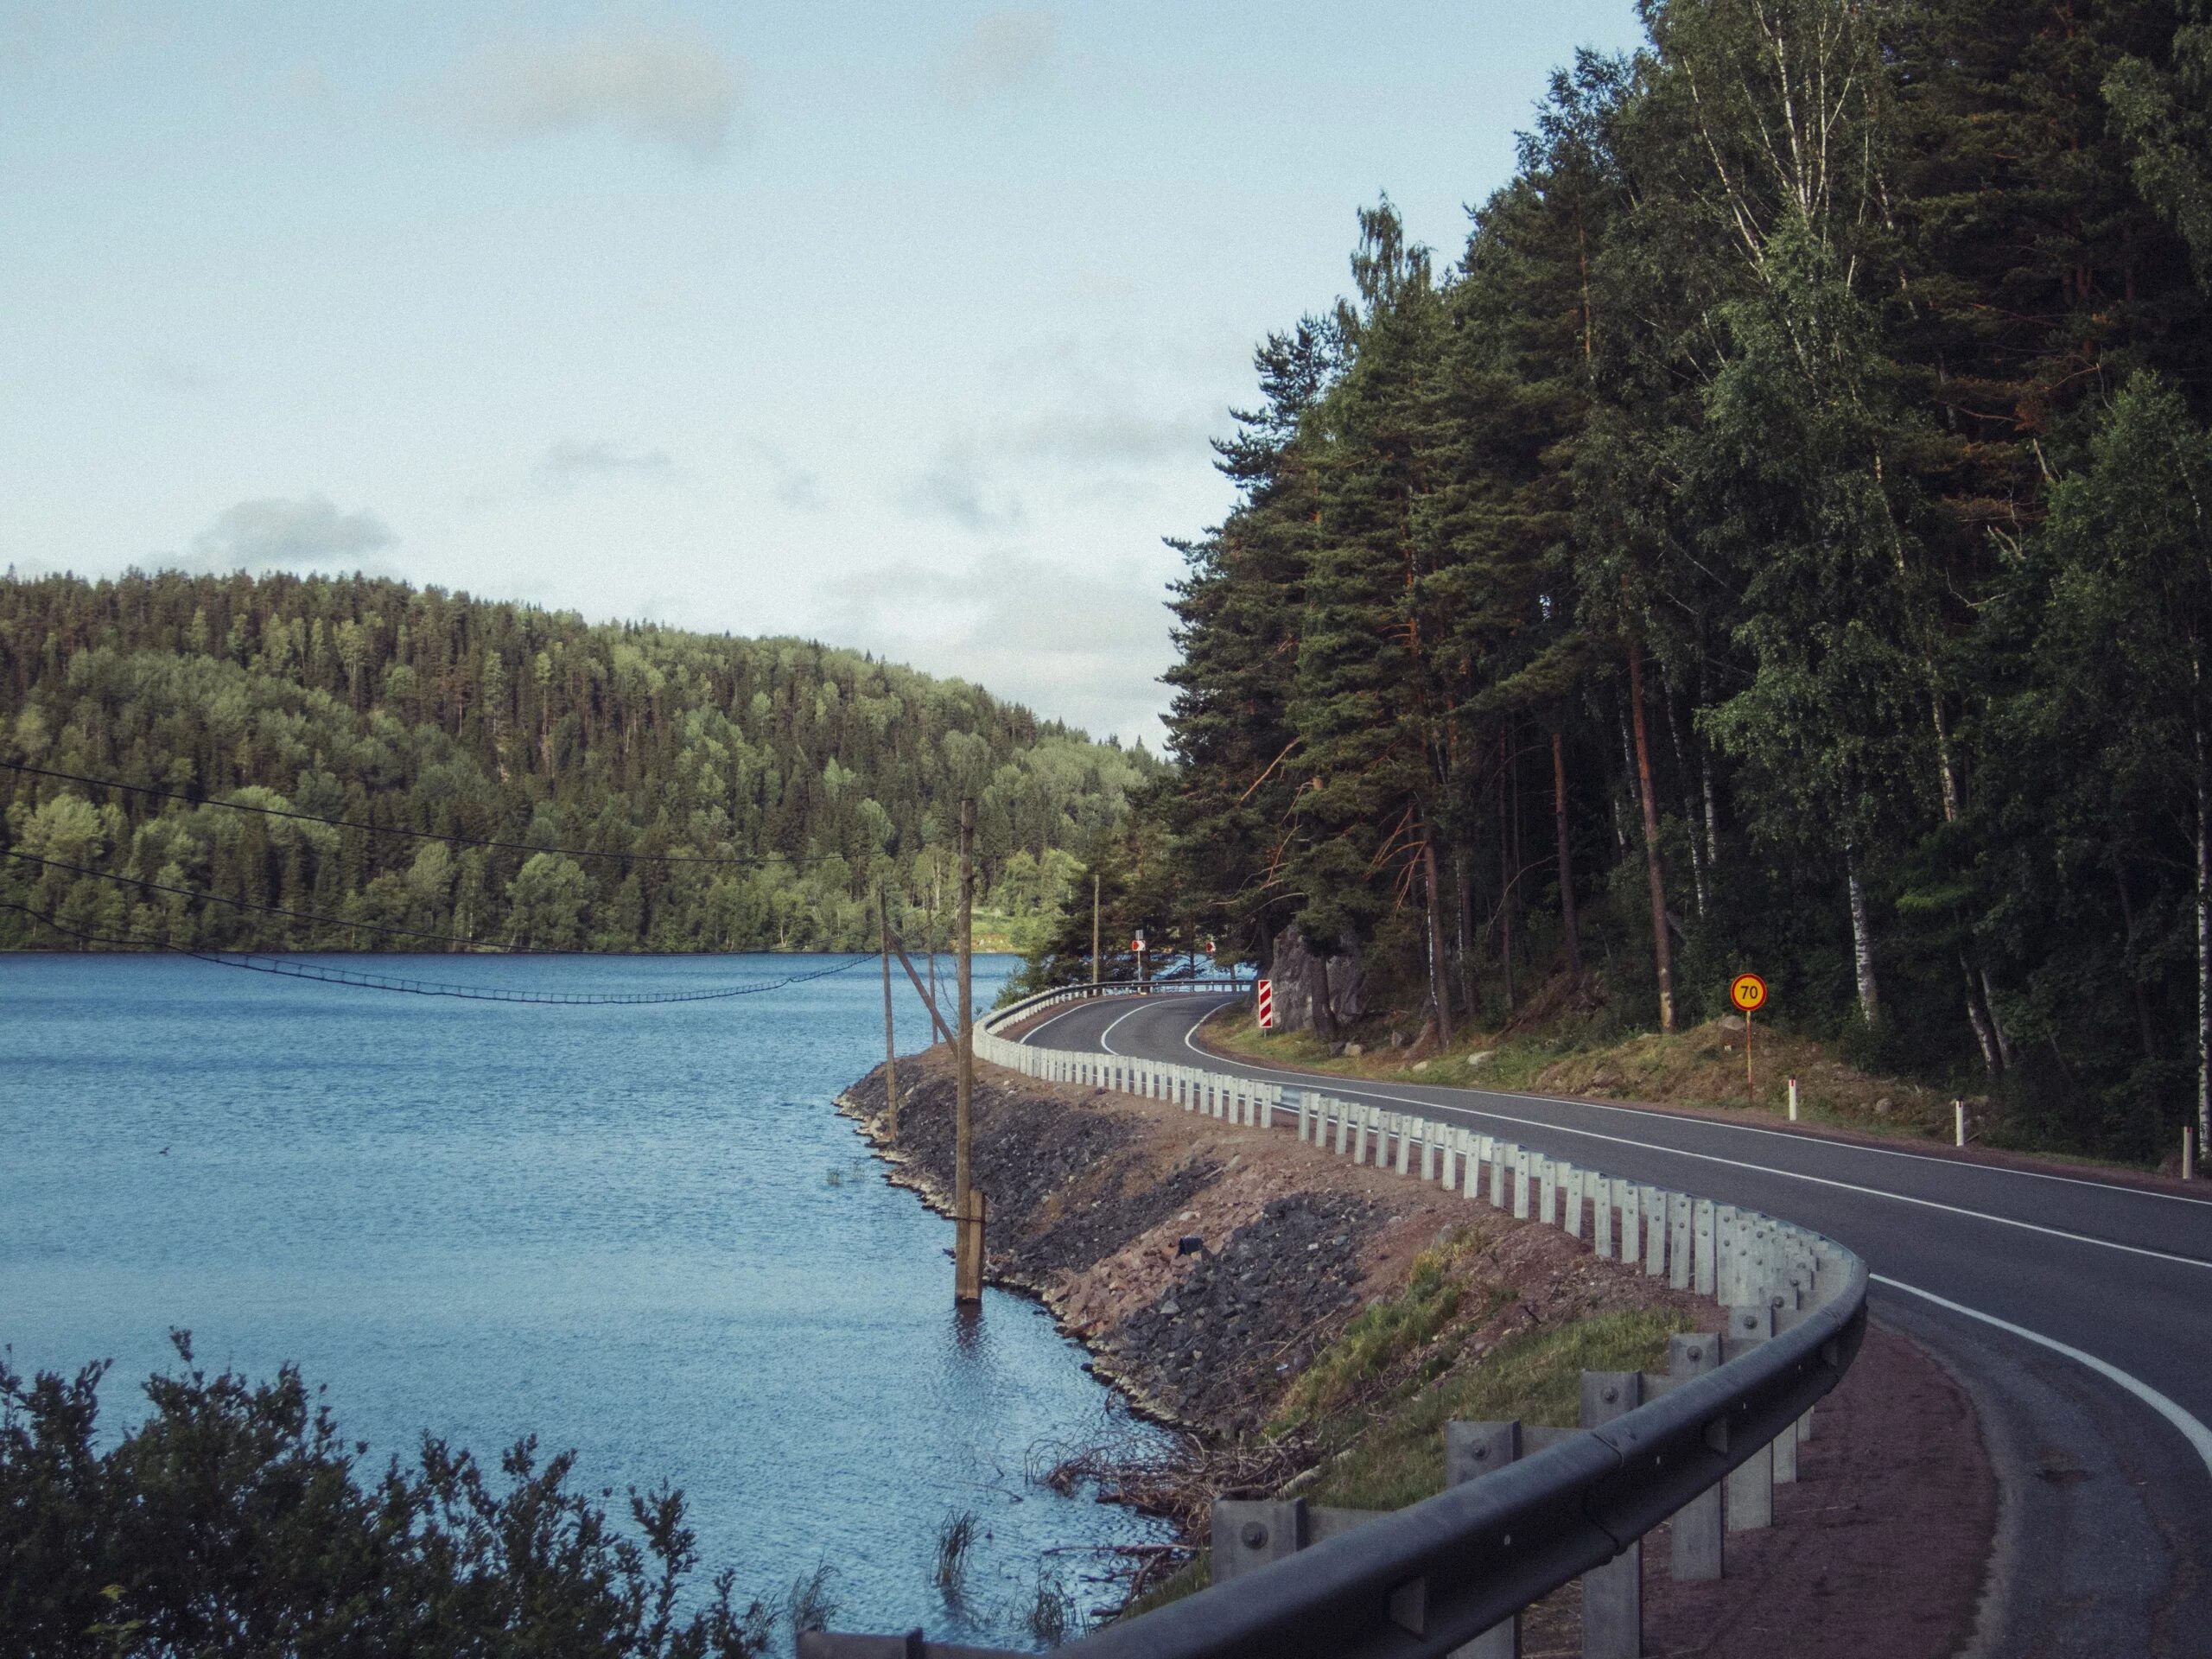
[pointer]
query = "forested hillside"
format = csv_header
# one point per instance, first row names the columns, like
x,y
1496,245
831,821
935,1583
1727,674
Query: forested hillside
x,y
1777,540
745,793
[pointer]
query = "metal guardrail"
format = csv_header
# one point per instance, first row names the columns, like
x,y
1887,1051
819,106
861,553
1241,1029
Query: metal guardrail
x,y
1430,1578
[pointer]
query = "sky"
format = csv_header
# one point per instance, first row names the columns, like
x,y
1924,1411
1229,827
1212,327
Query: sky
x,y
900,326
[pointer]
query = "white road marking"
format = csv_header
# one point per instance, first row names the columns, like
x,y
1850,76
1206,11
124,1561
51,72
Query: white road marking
x,y
1116,1022
1062,1014
1754,1129
2194,1431
1355,1088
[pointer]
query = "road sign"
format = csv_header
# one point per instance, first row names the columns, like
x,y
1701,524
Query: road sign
x,y
1137,944
1747,992
1264,1004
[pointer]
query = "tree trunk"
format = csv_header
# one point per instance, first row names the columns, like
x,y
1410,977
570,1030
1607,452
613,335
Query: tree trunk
x,y
1438,992
1985,1029
2204,946
1862,940
1689,800
2143,1030
1662,955
1504,875
1566,860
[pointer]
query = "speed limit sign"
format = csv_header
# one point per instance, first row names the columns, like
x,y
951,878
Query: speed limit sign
x,y
1747,992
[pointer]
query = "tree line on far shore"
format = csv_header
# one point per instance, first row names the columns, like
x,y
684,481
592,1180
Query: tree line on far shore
x,y
823,773
1777,540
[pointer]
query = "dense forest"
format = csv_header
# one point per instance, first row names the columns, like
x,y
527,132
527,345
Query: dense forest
x,y
712,793
1776,541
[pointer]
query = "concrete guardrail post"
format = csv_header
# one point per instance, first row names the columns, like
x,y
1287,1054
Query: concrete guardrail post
x,y
1496,1154
1748,1488
1694,1531
1547,1192
1250,1533
1613,1595
1522,1160
1571,1195
1678,1241
1601,1217
1472,1451
1655,1248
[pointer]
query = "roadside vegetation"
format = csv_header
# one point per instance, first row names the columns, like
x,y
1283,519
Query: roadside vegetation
x,y
236,1519
818,773
1773,540
1369,1413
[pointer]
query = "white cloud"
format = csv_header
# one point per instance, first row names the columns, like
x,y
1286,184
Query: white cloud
x,y
1083,646
997,52
1086,438
953,487
794,485
668,87
310,533
570,460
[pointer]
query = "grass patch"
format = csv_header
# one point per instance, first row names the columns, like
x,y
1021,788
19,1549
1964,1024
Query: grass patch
x,y
1397,1457
1383,1334
1188,1579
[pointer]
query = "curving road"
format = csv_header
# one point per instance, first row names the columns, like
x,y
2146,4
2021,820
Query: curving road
x,y
2077,1313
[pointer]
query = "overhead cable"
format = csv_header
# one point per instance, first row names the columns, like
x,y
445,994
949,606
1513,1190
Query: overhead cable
x,y
363,979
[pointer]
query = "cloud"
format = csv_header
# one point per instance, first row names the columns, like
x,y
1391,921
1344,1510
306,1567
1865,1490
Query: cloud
x,y
1091,655
275,534
570,460
953,488
672,88
1085,438
795,486
996,53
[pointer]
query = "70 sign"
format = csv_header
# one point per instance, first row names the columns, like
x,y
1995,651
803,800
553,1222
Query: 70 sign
x,y
1748,992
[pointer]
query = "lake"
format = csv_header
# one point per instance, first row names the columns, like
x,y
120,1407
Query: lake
x,y
639,1231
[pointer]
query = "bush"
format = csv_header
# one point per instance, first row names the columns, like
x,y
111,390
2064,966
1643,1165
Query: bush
x,y
232,1523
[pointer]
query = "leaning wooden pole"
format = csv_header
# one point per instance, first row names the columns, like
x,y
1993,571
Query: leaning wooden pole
x,y
890,1037
967,1203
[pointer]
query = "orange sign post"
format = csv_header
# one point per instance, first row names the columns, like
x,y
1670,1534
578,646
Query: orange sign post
x,y
1748,992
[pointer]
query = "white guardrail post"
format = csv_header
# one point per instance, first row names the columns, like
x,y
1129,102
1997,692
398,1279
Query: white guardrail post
x,y
1713,1436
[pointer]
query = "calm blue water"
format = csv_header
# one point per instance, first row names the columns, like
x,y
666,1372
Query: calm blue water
x,y
641,1232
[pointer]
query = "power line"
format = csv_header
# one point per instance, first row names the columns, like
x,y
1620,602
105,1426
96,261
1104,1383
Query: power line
x,y
363,979
266,910
747,860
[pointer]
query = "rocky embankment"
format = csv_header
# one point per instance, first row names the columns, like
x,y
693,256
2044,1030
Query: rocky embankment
x,y
1206,1265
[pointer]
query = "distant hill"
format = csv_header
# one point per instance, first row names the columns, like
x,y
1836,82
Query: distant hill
x,y
389,705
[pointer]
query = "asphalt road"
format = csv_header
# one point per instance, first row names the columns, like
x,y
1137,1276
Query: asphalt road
x,y
2077,1313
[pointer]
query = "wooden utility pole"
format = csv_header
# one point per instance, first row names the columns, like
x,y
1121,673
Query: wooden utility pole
x,y
1094,926
967,1203
890,1039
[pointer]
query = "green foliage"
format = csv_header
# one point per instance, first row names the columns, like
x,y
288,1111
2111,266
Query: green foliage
x,y
1536,1376
1842,373
1384,1333
235,1519
825,772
